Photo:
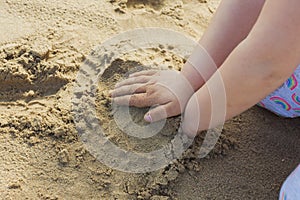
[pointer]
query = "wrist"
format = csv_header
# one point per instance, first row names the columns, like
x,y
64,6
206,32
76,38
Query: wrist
x,y
199,67
192,76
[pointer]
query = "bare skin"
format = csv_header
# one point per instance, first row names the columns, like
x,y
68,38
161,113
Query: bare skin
x,y
255,45
221,32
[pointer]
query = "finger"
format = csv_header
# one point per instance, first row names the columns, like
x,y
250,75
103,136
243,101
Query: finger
x,y
138,100
144,73
134,80
128,90
161,112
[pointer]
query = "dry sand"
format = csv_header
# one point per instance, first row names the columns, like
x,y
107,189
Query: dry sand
x,y
42,46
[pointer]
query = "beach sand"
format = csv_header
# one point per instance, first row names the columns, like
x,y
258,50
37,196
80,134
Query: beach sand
x,y
43,45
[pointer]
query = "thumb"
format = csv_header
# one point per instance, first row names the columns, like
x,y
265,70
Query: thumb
x,y
158,113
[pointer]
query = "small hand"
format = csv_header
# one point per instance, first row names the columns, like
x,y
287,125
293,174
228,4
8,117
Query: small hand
x,y
167,91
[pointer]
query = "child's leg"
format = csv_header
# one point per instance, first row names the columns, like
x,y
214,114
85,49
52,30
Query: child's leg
x,y
291,187
285,101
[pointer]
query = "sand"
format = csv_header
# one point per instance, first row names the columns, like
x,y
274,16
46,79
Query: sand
x,y
43,44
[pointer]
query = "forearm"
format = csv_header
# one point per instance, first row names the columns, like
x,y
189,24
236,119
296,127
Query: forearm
x,y
257,66
246,76
231,24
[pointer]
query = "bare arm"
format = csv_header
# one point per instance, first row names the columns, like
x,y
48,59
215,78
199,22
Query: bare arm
x,y
231,24
258,65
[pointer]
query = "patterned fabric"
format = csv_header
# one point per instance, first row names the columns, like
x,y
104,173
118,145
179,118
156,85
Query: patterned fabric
x,y
285,101
290,189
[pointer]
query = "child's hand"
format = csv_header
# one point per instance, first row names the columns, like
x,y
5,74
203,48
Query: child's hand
x,y
167,90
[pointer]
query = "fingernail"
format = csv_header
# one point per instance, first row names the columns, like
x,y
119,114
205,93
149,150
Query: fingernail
x,y
148,118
